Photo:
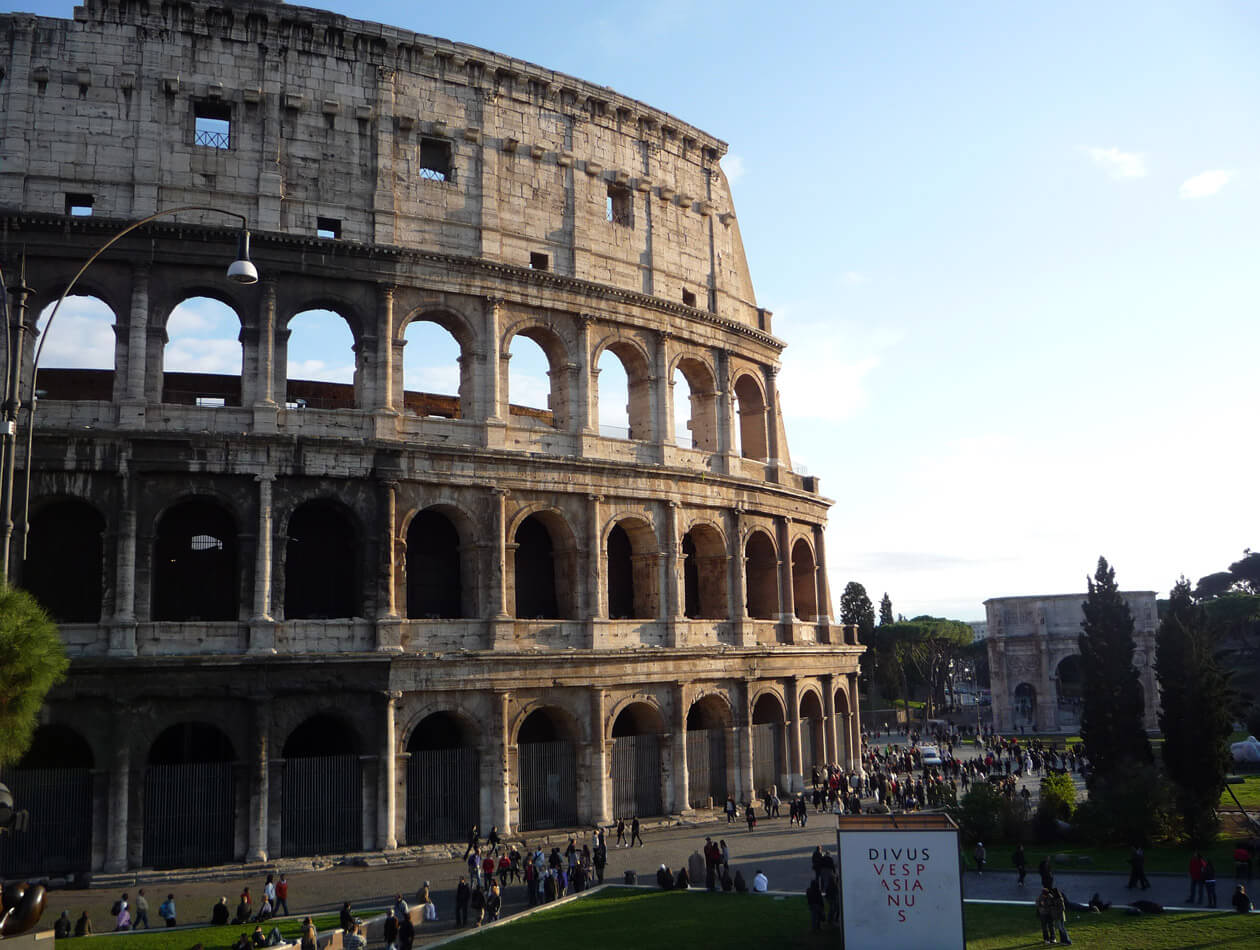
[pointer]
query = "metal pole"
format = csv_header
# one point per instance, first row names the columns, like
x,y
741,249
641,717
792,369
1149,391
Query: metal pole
x,y
15,337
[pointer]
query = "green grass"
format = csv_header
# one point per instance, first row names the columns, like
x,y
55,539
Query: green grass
x,y
636,919
181,938
1248,793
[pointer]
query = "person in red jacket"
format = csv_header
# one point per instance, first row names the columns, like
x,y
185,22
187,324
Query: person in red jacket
x,y
1196,879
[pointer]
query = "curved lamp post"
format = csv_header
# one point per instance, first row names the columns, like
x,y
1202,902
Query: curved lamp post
x,y
241,271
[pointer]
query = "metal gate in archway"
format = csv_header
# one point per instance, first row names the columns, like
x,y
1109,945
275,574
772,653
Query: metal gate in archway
x,y
321,805
767,741
706,766
189,815
443,794
636,775
548,777
813,752
59,837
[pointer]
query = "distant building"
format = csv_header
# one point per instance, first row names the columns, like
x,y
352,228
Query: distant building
x,y
1035,659
979,629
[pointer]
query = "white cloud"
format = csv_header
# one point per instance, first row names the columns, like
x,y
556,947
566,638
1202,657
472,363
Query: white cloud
x,y
203,356
1205,184
733,166
1117,164
828,366
853,278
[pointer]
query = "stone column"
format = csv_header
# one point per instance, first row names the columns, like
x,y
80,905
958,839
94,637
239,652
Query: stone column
x,y
494,365
663,421
383,398
265,385
501,805
738,581
725,421
787,591
671,589
601,797
137,334
262,638
119,796
744,725
260,792
795,782
855,724
596,574
829,726
586,375
499,625
823,587
388,623
122,639
772,421
387,803
682,779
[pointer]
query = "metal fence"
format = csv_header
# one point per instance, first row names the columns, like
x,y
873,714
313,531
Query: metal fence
x,y
706,766
189,815
548,777
813,749
767,740
59,837
636,775
443,795
322,805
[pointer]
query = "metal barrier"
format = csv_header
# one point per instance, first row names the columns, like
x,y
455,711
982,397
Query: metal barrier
x,y
321,805
189,815
443,794
59,838
767,740
706,766
636,775
548,777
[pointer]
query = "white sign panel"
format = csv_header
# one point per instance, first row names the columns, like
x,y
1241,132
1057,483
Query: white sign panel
x,y
901,889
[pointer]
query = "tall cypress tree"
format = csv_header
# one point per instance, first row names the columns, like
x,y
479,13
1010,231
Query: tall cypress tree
x,y
1111,720
1197,705
885,610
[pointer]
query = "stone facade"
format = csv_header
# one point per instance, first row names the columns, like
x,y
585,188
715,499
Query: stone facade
x,y
1035,659
308,618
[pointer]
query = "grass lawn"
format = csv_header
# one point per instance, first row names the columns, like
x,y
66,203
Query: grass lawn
x,y
637,919
181,938
1248,793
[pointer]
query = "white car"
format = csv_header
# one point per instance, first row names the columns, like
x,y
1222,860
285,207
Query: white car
x,y
930,755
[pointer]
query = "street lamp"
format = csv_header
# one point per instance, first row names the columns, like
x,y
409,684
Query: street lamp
x,y
241,271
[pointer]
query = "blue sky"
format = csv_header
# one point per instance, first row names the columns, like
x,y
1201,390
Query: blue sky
x,y
1012,249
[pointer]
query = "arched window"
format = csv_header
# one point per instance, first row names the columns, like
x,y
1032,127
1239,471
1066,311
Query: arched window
x,y
64,567
435,380
321,577
804,582
611,391
435,586
633,588
201,365
319,357
704,574
761,576
752,418
813,744
195,564
77,362
532,387
695,406
769,744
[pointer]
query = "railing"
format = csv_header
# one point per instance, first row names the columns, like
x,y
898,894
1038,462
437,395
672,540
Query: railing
x,y
212,139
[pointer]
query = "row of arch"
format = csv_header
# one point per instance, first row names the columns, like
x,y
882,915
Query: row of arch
x,y
196,566
1067,687
197,350
193,792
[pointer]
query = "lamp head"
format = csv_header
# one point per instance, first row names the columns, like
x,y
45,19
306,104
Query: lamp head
x,y
242,270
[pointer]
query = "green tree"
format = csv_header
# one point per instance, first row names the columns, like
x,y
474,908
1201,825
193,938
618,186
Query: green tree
x,y
924,646
855,608
32,661
885,610
1111,696
1197,707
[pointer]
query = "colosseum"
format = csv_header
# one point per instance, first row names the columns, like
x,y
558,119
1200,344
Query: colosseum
x,y
316,618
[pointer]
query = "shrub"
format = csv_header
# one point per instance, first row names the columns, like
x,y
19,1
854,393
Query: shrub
x,y
1058,801
1134,806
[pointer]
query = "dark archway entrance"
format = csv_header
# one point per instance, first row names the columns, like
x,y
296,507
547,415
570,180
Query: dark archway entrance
x,y
194,564
535,571
762,577
321,808
636,761
708,723
53,782
547,756
1068,680
189,798
704,574
769,747
434,583
321,564
64,568
443,781
1024,706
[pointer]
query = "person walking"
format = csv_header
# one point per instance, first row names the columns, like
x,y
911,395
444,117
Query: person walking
x,y
1045,914
1021,863
621,832
980,854
166,910
1196,879
1137,869
282,896
463,895
1209,881
142,911
634,832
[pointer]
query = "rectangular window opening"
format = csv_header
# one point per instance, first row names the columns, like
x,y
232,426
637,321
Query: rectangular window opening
x,y
213,125
617,208
539,261
79,206
435,160
689,298
211,402
328,228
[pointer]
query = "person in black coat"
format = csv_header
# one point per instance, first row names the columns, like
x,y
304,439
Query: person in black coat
x,y
463,894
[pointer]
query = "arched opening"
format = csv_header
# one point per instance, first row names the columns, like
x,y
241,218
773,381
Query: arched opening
x,y
321,576
633,587
534,388
769,743
610,391
708,723
704,574
543,568
804,582
1024,706
64,567
53,783
189,798
195,564
636,761
322,789
752,418
77,362
320,361
695,406
842,727
435,587
761,577
443,780
435,381
201,363
813,745
1067,678
547,756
